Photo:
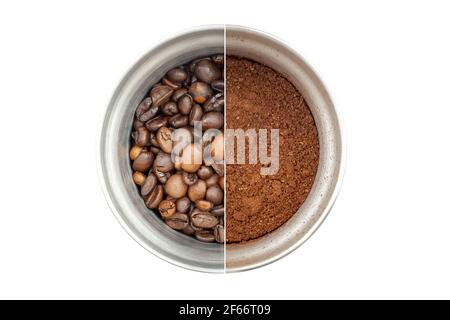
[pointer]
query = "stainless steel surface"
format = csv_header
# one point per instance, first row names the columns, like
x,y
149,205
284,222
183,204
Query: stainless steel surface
x,y
268,50
144,226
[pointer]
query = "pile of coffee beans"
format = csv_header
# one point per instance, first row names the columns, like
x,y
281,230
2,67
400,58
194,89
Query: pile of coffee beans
x,y
174,178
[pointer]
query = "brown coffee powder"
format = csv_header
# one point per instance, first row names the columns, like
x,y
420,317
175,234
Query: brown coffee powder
x,y
258,97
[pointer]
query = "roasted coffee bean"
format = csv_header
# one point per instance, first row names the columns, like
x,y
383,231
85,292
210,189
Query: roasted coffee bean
x,y
217,210
172,85
177,75
204,205
203,219
178,94
214,194
205,172
212,120
138,124
195,114
183,204
207,71
139,178
163,162
218,85
213,180
167,208
218,167
188,230
154,150
178,221
153,140
193,64
156,123
164,139
191,158
152,111
215,103
205,236
143,107
175,186
185,104
218,58
179,120
189,178
222,183
170,108
219,233
143,161
148,185
161,176
134,152
197,191
161,94
142,137
200,92
155,197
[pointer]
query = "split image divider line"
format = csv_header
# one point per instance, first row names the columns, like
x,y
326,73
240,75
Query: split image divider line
x,y
224,148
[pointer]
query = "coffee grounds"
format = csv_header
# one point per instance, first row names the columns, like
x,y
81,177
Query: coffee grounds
x,y
259,97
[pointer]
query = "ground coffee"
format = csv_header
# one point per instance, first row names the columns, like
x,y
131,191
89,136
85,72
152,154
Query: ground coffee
x,y
259,97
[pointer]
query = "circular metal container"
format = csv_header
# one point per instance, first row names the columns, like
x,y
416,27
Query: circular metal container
x,y
115,172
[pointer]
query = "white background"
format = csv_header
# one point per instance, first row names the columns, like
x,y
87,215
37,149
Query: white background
x,y
387,64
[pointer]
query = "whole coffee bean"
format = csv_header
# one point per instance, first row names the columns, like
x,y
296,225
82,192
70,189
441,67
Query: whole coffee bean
x,y
149,184
138,124
169,108
219,234
177,75
153,140
205,236
218,168
214,194
197,191
205,172
188,230
155,197
178,94
161,94
203,219
179,120
215,103
213,180
154,150
191,158
139,178
218,58
189,178
185,104
143,161
172,85
222,183
143,107
156,123
175,186
178,221
212,120
217,210
164,139
162,176
218,85
163,162
183,204
207,71
142,137
195,114
200,92
204,205
149,114
193,64
134,152
167,208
